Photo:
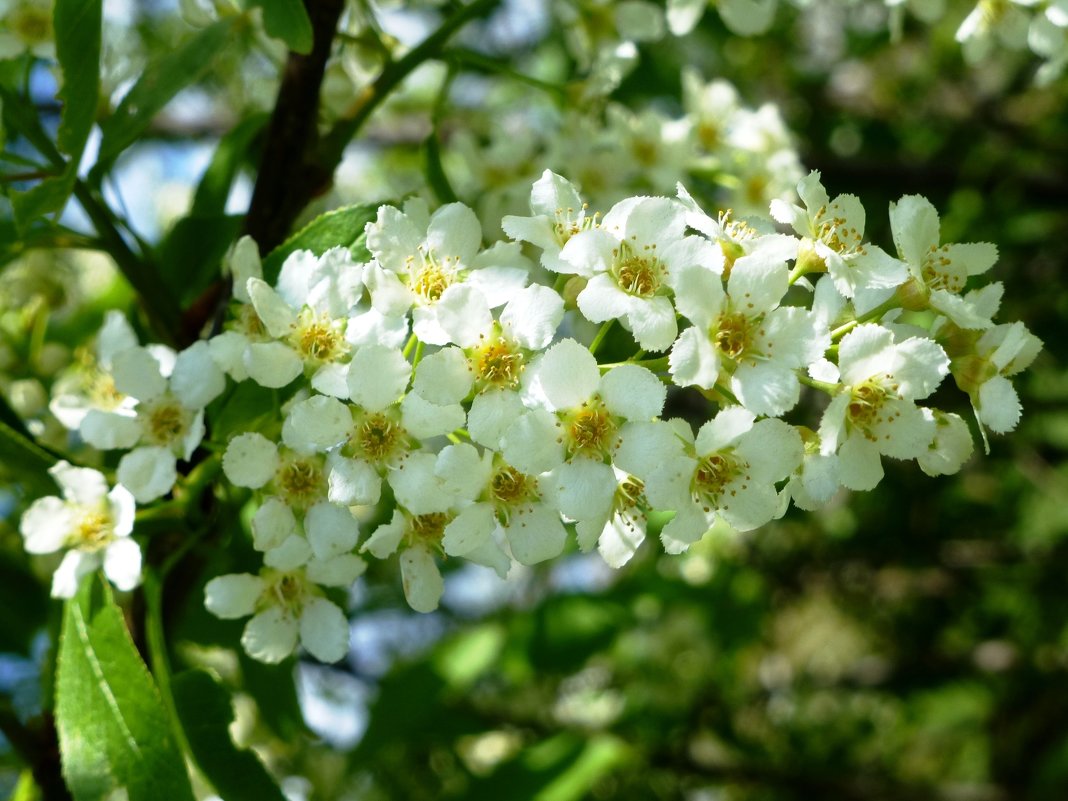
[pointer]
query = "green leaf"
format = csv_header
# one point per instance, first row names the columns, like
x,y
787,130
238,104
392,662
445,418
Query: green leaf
x,y
77,31
287,20
274,690
77,27
159,83
23,605
341,227
206,711
113,729
17,448
214,186
193,250
244,409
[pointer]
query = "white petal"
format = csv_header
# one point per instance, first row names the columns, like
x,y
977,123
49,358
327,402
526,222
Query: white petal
x,y
228,351
324,630
601,300
116,335
633,392
272,524
123,507
444,377
148,473
318,423
378,377
903,431
693,361
386,538
766,388
68,575
332,379
999,405
338,571
250,460
492,413
46,525
290,555
462,471
584,489
564,376
421,579
951,448
532,316
653,323
83,485
860,467
536,534
416,486
137,374
470,530
352,481
331,530
424,420
915,226
277,316
532,444
122,563
757,285
699,296
270,636
687,526
643,446
463,313
272,364
723,430
864,352
620,538
920,365
233,596
773,450
196,379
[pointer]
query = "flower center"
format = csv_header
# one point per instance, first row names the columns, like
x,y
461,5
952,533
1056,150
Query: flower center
x,y
938,273
428,528
167,420
637,274
318,338
499,362
866,402
568,223
713,475
591,429
288,589
733,335
378,438
510,488
102,391
249,323
835,234
300,481
32,25
94,530
431,279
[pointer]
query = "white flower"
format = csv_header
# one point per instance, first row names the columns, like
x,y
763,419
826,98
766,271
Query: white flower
x,y
91,523
745,334
167,421
435,264
950,448
418,537
558,214
834,230
939,272
619,533
632,261
287,606
1001,352
875,413
729,470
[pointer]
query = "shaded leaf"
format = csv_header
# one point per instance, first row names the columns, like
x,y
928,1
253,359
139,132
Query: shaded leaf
x,y
161,81
193,250
113,729
23,605
77,31
341,227
287,20
206,711
275,691
214,187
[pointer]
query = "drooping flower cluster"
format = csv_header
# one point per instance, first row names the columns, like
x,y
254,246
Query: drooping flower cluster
x,y
441,383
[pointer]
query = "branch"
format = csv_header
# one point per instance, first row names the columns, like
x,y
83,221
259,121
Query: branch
x,y
286,179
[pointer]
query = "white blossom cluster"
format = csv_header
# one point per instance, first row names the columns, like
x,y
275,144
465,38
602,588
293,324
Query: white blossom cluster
x,y
447,383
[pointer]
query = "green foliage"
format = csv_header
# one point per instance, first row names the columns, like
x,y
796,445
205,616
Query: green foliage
x,y
113,728
205,710
341,227
287,20
77,27
160,82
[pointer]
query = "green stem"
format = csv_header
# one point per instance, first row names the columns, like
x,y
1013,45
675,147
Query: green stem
x,y
868,316
650,364
409,346
601,334
822,386
334,143
157,652
471,58
726,393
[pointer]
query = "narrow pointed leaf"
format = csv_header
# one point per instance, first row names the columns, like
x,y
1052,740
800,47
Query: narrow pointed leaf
x,y
341,227
113,729
206,711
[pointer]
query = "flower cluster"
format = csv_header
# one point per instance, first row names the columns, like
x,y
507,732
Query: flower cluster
x,y
455,388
